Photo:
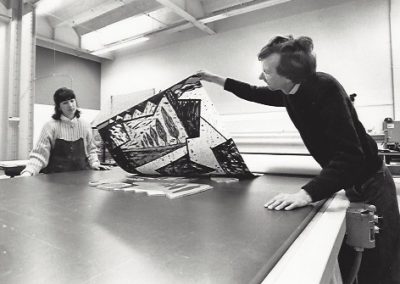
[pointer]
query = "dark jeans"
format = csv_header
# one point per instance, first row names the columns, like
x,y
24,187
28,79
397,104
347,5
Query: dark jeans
x,y
382,263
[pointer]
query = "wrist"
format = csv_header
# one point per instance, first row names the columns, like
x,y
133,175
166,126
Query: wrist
x,y
219,80
95,165
306,196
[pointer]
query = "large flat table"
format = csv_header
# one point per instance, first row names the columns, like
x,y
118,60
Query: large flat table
x,y
57,229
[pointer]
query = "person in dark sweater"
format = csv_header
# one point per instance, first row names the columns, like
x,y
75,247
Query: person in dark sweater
x,y
328,123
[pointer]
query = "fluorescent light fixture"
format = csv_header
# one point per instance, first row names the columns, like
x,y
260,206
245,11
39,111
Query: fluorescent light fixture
x,y
133,27
119,45
128,28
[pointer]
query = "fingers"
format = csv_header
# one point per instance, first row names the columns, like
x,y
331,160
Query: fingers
x,y
279,205
200,74
292,206
278,202
203,75
206,76
212,78
289,201
269,203
282,205
102,168
282,201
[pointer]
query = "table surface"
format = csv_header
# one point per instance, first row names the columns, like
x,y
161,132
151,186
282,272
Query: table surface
x,y
57,229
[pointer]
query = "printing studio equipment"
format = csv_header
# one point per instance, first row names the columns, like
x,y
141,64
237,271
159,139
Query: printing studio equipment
x,y
391,130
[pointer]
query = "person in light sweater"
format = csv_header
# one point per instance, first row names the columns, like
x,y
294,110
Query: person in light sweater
x,y
328,123
66,142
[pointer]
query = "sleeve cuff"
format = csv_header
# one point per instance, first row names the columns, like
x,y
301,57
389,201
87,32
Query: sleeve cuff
x,y
27,171
228,84
318,190
95,165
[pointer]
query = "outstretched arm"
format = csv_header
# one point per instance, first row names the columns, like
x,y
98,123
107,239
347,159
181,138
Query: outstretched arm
x,y
257,94
212,78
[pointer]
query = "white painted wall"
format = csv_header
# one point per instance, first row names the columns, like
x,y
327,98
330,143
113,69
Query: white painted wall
x,y
16,76
26,93
55,69
351,41
4,64
395,31
43,28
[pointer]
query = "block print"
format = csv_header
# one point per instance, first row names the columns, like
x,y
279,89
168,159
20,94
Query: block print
x,y
175,133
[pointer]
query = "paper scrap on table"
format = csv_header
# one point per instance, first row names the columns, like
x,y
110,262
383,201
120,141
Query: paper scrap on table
x,y
152,188
104,181
224,179
174,133
171,190
114,186
135,178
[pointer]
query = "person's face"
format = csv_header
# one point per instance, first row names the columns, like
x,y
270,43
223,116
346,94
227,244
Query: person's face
x,y
270,76
68,108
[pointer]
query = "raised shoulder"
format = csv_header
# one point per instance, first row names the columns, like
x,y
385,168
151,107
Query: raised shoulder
x,y
326,84
326,79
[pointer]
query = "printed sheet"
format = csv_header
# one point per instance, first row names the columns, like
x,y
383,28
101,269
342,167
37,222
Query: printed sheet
x,y
176,132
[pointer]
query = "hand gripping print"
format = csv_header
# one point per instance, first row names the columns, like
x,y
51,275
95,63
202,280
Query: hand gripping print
x,y
174,133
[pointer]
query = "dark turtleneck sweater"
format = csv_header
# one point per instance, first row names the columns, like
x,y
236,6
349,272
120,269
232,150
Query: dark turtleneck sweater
x,y
328,124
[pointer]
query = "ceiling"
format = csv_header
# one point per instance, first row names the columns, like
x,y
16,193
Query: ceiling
x,y
100,26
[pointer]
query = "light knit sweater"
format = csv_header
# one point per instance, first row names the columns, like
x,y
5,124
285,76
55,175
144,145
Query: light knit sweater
x,y
68,130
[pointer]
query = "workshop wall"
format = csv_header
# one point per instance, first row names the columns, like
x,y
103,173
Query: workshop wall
x,y
55,69
3,90
351,42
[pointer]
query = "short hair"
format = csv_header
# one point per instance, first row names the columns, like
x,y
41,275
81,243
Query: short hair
x,y
297,61
61,95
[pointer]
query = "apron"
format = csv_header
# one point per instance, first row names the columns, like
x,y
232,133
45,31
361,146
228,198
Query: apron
x,y
67,156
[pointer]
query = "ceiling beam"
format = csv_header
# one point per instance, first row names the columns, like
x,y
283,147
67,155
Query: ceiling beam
x,y
195,8
69,49
32,2
240,9
116,15
94,12
5,4
5,13
188,17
